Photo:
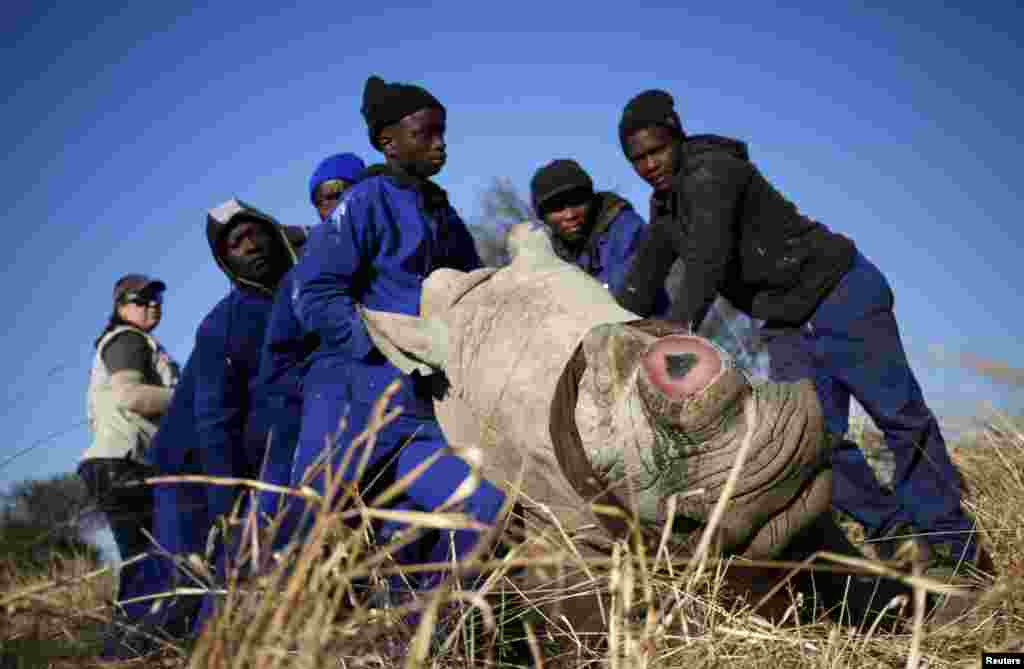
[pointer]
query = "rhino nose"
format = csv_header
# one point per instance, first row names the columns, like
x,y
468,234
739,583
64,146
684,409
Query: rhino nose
x,y
680,366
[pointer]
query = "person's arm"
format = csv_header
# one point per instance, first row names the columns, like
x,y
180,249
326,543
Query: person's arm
x,y
634,231
218,401
323,294
463,254
710,199
128,357
644,280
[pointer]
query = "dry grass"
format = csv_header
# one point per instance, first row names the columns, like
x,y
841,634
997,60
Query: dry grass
x,y
53,617
305,608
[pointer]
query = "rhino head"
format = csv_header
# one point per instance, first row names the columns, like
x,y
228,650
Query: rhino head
x,y
546,368
663,415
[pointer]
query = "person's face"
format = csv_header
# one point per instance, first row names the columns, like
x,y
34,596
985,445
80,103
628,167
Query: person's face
x,y
250,252
143,310
566,213
328,194
416,143
654,154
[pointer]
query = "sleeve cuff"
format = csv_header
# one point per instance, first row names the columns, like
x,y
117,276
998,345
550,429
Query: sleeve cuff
x,y
361,345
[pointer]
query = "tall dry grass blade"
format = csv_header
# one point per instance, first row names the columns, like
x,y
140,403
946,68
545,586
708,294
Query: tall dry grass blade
x,y
914,657
420,647
431,519
900,601
670,517
58,583
476,599
614,612
394,490
534,645
311,551
304,493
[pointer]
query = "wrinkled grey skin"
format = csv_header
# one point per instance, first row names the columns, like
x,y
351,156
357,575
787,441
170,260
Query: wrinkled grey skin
x,y
661,447
503,337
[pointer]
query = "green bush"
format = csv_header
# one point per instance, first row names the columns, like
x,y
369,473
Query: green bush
x,y
30,548
44,520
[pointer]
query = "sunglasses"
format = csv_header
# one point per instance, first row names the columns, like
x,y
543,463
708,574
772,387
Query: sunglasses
x,y
143,301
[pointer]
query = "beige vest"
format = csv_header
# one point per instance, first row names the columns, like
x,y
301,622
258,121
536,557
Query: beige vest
x,y
117,432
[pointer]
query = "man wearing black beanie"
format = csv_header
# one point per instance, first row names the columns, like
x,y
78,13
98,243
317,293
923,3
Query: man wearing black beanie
x,y
407,124
388,233
829,312
596,231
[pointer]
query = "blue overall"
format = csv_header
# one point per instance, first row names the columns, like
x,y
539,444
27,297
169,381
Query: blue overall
x,y
227,355
378,247
851,347
227,350
275,416
181,522
204,430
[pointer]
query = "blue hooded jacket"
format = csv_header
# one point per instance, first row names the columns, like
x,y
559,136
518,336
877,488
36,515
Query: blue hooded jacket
x,y
286,344
227,355
276,394
387,234
180,509
275,415
202,431
180,519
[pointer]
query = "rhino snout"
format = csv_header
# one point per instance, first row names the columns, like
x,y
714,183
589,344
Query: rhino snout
x,y
679,366
688,383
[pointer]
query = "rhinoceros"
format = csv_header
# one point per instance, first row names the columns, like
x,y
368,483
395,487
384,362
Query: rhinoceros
x,y
549,376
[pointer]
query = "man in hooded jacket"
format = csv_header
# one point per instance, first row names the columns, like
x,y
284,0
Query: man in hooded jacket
x,y
829,314
203,430
275,418
389,232
255,252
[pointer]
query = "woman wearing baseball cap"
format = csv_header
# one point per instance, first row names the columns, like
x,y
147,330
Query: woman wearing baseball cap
x,y
130,388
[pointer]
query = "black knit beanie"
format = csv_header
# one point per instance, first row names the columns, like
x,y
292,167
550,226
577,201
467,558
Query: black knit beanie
x,y
557,177
384,104
653,107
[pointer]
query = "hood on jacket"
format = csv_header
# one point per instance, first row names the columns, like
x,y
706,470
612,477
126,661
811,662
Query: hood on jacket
x,y
697,144
609,205
220,219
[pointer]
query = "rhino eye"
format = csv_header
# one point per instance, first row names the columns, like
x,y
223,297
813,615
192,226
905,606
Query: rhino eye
x,y
679,365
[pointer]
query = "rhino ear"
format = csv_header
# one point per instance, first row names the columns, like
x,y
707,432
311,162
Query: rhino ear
x,y
529,245
445,286
411,343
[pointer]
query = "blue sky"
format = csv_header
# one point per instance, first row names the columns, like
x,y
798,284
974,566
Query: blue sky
x,y
122,126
